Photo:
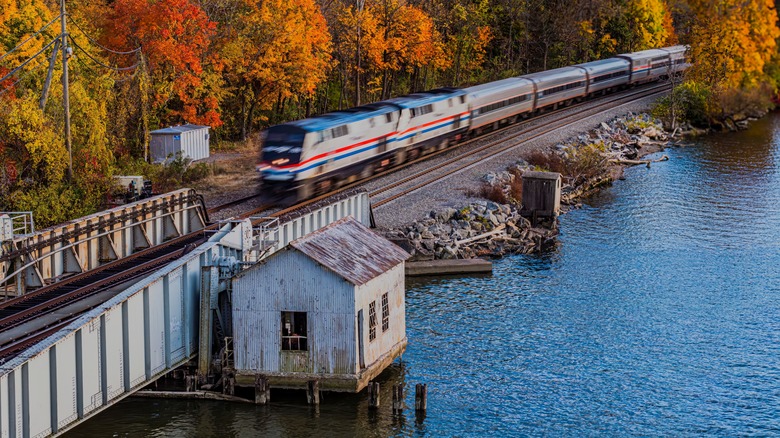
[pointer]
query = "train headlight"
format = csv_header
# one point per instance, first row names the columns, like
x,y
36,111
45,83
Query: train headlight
x,y
280,161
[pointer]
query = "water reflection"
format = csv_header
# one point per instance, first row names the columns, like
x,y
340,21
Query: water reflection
x,y
658,315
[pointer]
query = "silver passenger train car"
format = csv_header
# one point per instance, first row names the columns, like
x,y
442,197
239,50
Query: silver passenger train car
x,y
311,156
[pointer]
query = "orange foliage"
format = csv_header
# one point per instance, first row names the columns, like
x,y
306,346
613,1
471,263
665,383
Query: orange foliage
x,y
175,36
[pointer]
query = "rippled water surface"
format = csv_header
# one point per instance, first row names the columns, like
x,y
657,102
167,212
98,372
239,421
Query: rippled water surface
x,y
658,315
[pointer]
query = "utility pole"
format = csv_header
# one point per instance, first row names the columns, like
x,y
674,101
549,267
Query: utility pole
x,y
65,93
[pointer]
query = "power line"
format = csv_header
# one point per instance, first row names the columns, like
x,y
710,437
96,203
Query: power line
x,y
99,62
31,37
19,79
27,61
100,45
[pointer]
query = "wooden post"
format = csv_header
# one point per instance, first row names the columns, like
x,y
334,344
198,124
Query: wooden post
x,y
421,397
228,382
191,383
313,392
373,395
398,398
262,390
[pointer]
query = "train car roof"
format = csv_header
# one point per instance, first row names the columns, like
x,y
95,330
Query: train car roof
x,y
601,63
676,49
337,118
491,87
418,99
554,74
645,54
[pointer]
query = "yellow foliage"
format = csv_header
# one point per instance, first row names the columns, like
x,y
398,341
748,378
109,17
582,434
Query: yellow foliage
x,y
32,141
19,19
650,20
733,41
277,48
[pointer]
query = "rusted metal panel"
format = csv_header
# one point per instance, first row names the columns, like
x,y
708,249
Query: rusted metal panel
x,y
351,250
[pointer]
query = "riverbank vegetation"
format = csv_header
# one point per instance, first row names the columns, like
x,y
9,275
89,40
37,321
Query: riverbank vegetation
x,y
241,65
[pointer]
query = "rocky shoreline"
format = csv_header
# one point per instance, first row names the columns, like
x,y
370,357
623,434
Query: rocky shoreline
x,y
495,229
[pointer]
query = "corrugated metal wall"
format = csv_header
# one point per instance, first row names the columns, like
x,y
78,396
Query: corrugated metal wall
x,y
290,281
358,206
193,144
393,283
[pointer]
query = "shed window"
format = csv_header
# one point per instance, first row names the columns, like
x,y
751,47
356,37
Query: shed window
x,y
385,313
372,321
294,331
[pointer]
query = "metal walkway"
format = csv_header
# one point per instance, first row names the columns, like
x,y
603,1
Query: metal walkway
x,y
132,339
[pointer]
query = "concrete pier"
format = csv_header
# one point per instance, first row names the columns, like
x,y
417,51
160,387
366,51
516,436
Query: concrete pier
x,y
448,267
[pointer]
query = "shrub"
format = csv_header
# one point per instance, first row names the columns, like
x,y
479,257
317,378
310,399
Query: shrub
x,y
576,164
53,203
690,102
493,193
516,186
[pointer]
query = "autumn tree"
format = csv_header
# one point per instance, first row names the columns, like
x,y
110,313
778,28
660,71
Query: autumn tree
x,y
175,37
272,50
733,41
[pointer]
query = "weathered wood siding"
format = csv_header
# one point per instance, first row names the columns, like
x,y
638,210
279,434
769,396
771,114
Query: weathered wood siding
x,y
290,281
541,193
391,282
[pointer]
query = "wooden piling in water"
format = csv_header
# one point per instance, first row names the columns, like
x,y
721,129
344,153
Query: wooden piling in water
x,y
398,398
262,390
373,395
313,392
228,382
421,397
191,383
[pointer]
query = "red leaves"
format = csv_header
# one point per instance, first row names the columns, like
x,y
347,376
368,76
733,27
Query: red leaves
x,y
175,36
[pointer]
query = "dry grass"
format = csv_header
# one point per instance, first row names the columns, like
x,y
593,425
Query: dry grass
x,y
231,172
516,185
493,193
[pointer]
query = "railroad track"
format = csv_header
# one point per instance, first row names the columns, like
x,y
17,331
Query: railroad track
x,y
21,310
588,106
461,161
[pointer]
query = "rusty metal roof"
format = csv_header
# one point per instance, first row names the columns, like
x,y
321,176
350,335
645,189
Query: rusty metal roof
x,y
351,250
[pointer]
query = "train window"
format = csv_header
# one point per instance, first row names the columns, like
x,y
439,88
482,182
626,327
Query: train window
x,y
462,99
389,117
339,131
425,109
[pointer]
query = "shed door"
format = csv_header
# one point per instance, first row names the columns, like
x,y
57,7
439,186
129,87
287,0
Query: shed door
x,y
361,355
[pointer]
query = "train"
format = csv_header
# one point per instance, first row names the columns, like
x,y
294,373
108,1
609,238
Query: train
x,y
312,156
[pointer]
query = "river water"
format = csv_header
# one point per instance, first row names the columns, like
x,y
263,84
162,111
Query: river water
x,y
659,314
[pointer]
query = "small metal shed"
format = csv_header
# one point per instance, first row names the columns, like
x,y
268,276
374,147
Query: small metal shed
x,y
191,140
328,307
541,194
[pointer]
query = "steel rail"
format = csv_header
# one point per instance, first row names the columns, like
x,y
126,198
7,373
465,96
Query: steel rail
x,y
542,130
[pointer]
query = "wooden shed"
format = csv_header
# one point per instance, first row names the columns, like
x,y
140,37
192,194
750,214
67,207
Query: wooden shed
x,y
328,307
541,194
